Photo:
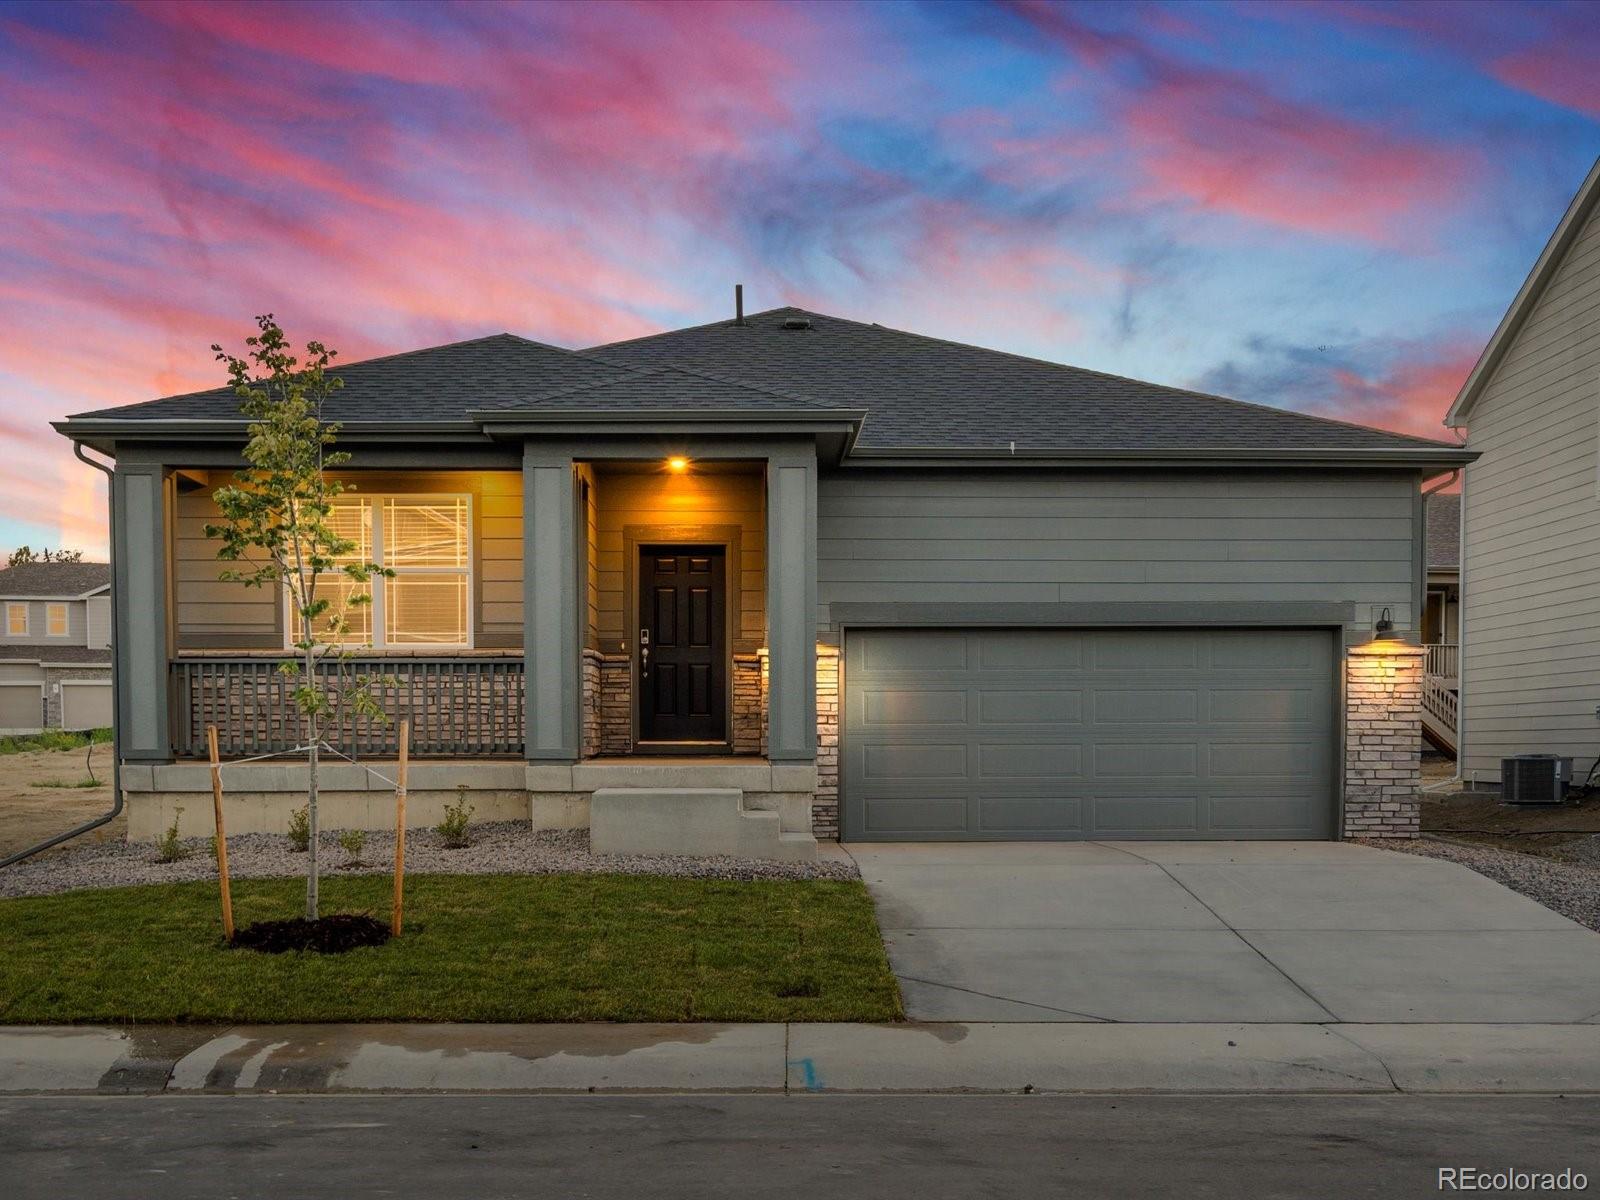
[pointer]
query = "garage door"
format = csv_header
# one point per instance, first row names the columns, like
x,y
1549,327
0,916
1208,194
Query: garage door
x,y
21,707
86,705
1062,734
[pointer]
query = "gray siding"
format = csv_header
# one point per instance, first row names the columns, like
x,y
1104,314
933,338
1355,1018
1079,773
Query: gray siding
x,y
1011,537
98,614
1531,590
77,624
210,614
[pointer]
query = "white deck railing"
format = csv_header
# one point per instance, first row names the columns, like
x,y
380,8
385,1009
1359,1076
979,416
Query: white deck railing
x,y
1444,659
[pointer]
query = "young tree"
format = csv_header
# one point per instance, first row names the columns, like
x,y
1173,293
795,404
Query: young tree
x,y
277,521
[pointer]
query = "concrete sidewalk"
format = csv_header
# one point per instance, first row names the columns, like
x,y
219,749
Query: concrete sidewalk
x,y
777,1058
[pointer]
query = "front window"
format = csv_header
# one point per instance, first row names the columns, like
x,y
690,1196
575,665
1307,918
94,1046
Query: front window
x,y
17,620
55,620
427,542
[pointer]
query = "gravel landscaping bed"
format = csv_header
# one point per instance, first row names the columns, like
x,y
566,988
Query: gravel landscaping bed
x,y
503,848
1569,888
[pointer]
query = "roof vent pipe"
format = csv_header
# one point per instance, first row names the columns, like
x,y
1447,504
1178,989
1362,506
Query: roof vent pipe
x,y
738,304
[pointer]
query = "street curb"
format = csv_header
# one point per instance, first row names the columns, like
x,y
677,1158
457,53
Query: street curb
x,y
813,1059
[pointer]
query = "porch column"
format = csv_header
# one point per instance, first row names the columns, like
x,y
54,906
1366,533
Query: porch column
x,y
141,644
550,603
792,609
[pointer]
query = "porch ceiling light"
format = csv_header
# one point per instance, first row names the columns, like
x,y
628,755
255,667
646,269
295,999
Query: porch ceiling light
x,y
677,465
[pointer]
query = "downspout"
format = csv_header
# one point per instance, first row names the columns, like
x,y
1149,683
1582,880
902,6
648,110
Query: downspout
x,y
116,726
1461,608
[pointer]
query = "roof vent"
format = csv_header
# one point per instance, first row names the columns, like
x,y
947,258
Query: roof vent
x,y
797,322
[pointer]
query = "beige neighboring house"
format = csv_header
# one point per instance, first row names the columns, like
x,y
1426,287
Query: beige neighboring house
x,y
1530,624
55,647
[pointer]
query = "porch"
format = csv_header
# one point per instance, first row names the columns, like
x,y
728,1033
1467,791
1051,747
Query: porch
x,y
575,622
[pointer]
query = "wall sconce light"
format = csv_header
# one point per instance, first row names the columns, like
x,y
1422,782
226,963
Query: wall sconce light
x,y
1383,631
677,465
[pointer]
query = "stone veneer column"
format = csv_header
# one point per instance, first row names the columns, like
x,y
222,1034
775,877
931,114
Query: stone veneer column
x,y
1383,740
825,806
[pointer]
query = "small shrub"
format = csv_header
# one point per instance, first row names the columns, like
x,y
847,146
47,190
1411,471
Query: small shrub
x,y
170,847
353,842
300,829
454,828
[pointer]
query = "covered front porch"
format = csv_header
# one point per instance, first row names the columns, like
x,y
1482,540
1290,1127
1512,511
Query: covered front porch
x,y
616,613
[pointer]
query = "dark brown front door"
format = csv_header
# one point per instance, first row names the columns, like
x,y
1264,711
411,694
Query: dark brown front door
x,y
683,658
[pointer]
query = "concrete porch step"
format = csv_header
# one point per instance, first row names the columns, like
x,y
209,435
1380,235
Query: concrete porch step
x,y
699,822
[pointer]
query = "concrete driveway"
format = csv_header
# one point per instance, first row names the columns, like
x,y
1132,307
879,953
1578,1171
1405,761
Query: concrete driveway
x,y
1219,931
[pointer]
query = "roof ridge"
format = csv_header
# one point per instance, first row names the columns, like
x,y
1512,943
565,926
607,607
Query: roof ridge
x,y
726,321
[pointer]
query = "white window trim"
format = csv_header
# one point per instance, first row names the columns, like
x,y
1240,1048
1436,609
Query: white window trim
x,y
27,618
66,620
379,642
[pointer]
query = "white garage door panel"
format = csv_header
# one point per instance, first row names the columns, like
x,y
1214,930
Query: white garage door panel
x,y
85,706
1060,734
21,706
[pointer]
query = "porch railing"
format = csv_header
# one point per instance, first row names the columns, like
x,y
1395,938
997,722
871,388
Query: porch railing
x,y
1443,659
458,706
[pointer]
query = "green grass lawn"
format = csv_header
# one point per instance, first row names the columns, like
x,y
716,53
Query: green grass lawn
x,y
475,948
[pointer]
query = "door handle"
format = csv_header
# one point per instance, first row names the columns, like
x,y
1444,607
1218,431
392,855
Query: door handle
x,y
644,652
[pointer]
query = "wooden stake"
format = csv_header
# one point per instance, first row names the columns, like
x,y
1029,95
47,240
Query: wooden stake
x,y
222,836
400,832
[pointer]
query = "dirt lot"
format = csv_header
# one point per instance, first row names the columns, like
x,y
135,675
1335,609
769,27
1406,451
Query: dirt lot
x,y
30,813
1532,829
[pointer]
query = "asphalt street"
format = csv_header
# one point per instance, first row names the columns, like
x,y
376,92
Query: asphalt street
x,y
484,1147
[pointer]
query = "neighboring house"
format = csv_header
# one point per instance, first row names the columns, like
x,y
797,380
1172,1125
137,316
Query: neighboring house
x,y
55,646
1530,629
1441,622
879,584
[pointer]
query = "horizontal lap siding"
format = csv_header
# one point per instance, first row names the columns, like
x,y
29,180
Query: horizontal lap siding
x,y
1530,660
1003,537
211,614
38,624
683,502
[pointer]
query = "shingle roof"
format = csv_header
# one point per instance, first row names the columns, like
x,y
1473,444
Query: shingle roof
x,y
74,655
924,392
1444,531
54,578
919,393
440,383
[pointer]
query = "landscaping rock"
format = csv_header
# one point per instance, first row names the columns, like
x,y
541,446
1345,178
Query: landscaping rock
x,y
503,848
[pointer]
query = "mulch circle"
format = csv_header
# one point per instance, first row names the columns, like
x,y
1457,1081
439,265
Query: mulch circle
x,y
326,935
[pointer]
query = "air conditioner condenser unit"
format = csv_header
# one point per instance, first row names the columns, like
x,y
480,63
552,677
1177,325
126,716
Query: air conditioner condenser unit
x,y
1535,779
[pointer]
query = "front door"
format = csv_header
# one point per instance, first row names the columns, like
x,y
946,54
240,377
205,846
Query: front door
x,y
682,648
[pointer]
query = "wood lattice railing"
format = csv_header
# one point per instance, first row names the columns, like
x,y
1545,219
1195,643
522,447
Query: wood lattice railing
x,y
468,706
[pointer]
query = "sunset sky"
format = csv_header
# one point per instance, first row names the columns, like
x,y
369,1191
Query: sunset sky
x,y
1323,206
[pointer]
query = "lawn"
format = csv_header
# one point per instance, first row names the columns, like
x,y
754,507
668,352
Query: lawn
x,y
475,948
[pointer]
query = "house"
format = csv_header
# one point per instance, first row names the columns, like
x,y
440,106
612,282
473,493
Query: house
x,y
1530,623
882,585
1441,622
55,646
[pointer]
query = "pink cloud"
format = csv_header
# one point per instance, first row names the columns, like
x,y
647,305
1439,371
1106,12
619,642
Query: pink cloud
x,y
1409,395
1223,141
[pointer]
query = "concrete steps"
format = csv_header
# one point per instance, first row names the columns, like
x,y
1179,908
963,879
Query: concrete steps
x,y
699,822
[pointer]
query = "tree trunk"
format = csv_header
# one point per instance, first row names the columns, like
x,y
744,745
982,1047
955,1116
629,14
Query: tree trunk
x,y
313,827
